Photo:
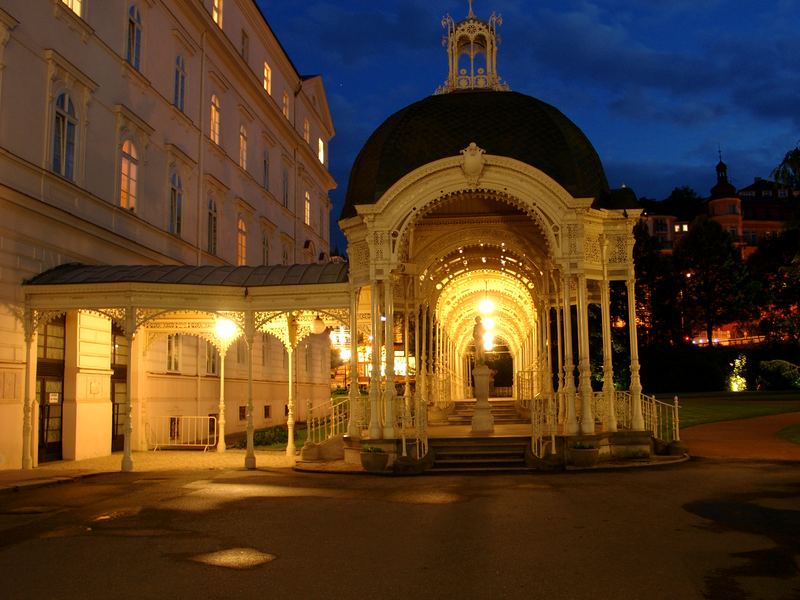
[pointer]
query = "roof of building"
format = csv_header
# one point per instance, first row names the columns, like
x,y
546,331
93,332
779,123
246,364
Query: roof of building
x,y
309,274
502,123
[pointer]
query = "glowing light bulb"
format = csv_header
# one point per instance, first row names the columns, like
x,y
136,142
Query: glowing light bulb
x,y
225,328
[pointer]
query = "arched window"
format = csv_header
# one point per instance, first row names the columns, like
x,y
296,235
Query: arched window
x,y
64,137
241,242
133,50
243,147
285,191
128,174
265,169
180,82
307,209
264,248
212,226
175,204
74,6
267,78
216,12
215,112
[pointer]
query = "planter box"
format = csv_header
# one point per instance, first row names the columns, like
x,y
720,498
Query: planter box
x,y
584,457
374,462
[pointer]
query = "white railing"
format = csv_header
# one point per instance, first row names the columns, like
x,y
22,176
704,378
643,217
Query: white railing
x,y
411,420
181,432
662,418
327,420
525,391
543,425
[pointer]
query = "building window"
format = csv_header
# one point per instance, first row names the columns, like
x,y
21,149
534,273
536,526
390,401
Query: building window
x,y
243,413
285,256
180,83
64,137
306,131
241,242
174,353
128,172
245,47
212,226
677,228
265,169
264,248
267,412
175,204
50,341
216,12
264,349
74,6
267,78
215,110
685,227
212,359
732,209
307,210
321,150
243,147
660,225
286,104
134,46
285,188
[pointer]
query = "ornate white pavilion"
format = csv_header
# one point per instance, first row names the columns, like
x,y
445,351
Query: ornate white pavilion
x,y
474,202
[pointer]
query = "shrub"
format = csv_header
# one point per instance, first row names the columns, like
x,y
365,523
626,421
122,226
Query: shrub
x,y
267,437
778,375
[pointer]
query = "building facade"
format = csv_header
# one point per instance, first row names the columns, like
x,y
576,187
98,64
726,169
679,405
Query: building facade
x,y
149,132
748,214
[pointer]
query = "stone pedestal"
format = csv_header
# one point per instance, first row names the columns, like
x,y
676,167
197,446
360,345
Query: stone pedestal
x,y
482,420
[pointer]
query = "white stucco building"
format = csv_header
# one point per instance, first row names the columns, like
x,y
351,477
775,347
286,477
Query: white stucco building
x,y
151,133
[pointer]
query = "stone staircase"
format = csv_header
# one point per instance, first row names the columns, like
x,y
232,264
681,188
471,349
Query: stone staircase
x,y
499,454
503,411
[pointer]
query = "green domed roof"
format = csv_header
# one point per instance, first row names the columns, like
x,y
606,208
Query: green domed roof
x,y
502,123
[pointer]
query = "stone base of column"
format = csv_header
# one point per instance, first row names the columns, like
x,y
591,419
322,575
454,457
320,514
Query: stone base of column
x,y
482,420
250,462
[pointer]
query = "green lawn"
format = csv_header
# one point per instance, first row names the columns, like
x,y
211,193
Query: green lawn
x,y
728,406
790,433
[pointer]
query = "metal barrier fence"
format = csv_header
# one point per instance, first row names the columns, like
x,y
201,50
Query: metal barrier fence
x,y
181,432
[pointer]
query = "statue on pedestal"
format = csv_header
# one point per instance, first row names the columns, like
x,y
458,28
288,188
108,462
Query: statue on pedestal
x,y
477,336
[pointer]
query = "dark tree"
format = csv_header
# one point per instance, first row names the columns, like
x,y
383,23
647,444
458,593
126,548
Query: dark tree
x,y
713,287
775,266
788,171
655,291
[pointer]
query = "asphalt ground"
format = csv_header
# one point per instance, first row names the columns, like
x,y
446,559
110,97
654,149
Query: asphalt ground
x,y
718,528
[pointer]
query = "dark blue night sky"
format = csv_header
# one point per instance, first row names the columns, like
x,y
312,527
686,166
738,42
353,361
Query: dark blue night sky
x,y
657,86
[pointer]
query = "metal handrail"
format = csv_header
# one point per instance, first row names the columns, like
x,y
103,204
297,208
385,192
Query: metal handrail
x,y
327,420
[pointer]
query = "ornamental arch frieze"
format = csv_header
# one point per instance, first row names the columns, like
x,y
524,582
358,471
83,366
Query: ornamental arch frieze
x,y
390,220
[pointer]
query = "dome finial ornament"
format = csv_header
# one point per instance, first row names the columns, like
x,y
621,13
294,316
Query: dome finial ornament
x,y
472,53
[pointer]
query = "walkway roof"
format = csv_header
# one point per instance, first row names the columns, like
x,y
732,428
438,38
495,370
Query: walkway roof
x,y
276,275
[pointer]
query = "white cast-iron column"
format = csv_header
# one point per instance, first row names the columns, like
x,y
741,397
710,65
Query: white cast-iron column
x,y
637,420
390,393
221,405
354,395
608,368
585,368
249,333
571,421
374,380
30,391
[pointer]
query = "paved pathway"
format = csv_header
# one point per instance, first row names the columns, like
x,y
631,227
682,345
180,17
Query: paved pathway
x,y
744,438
